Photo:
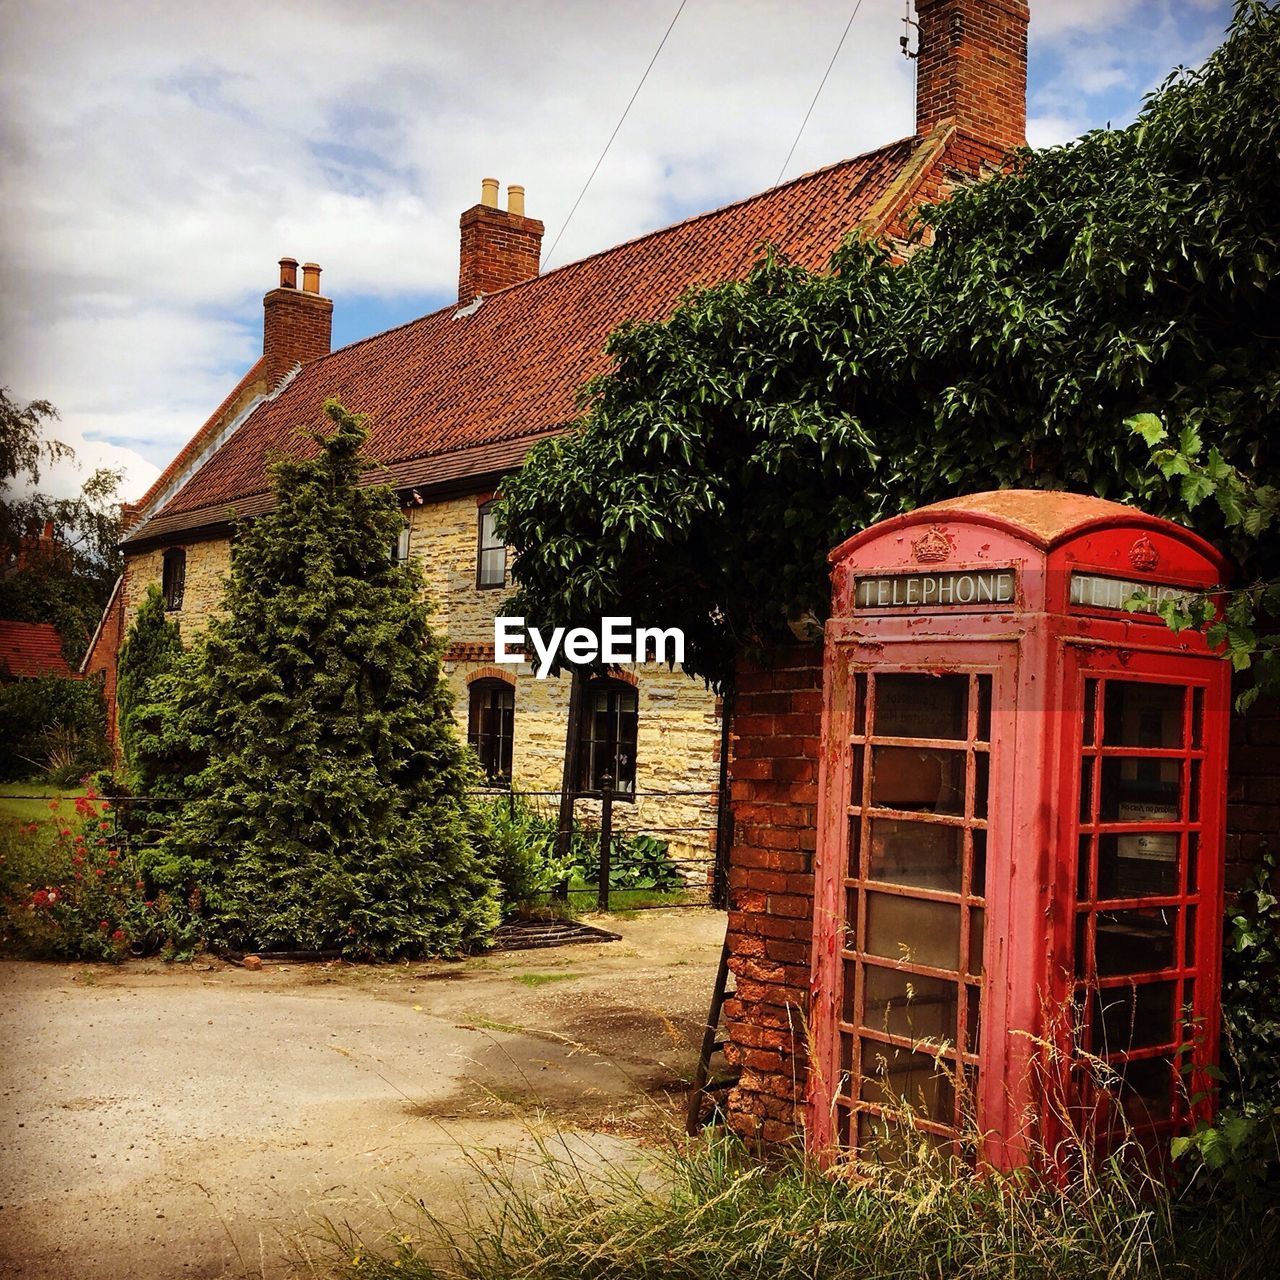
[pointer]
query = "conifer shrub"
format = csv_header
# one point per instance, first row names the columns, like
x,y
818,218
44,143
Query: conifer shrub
x,y
309,734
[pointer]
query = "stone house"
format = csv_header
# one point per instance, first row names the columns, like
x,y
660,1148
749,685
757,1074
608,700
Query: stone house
x,y
456,399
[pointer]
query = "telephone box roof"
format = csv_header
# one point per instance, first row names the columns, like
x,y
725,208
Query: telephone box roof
x,y
1043,517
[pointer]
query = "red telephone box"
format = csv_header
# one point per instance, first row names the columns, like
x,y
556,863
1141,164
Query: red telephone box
x,y
1020,844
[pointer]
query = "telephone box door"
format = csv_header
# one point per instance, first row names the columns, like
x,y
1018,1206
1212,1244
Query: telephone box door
x,y
916,786
1143,857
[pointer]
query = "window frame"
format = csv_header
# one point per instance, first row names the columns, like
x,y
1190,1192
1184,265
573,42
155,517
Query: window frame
x,y
583,771
492,689
483,511
174,592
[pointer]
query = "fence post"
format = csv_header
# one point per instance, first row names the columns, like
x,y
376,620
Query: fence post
x,y
606,839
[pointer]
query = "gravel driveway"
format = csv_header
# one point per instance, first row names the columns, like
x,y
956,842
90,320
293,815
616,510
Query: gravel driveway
x,y
198,1121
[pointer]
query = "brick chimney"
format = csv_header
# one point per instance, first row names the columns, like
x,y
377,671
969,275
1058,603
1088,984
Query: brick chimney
x,y
499,247
297,323
971,70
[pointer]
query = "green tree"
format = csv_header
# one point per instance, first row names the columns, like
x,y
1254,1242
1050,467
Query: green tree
x,y
67,581
151,649
329,805
1131,272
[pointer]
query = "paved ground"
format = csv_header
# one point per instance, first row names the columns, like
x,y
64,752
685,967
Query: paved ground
x,y
161,1122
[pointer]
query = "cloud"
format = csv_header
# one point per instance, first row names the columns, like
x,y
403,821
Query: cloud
x,y
155,159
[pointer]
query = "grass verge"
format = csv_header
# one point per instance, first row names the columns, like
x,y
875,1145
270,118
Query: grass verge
x,y
706,1210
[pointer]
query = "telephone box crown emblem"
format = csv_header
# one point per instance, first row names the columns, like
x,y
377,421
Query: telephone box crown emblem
x,y
1143,554
931,548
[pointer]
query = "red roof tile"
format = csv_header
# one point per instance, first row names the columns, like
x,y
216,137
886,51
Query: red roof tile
x,y
450,383
31,649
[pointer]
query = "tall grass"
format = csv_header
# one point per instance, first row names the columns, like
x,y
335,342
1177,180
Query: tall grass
x,y
707,1210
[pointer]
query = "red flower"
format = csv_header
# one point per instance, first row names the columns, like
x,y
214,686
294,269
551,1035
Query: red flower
x,y
104,925
119,936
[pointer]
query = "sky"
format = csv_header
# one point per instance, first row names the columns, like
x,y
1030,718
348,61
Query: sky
x,y
157,158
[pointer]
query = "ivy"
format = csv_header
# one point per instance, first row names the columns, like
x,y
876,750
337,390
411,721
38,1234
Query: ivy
x,y
1127,275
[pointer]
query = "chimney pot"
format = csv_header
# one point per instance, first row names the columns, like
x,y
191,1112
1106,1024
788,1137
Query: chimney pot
x,y
297,324
500,247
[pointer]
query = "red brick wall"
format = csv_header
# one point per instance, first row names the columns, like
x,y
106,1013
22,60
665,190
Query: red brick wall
x,y
773,775
498,249
101,659
972,68
297,327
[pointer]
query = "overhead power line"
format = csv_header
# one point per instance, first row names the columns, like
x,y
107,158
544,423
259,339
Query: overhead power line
x,y
821,84
547,259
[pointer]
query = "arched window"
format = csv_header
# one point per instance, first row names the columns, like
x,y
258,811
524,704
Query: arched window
x,y
173,580
490,724
607,744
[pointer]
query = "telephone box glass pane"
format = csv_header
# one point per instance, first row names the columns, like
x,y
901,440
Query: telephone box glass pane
x,y
977,939
930,780
924,855
911,705
1133,1017
910,1005
1143,865
913,930
1139,789
1146,1090
1137,714
892,1076
1140,941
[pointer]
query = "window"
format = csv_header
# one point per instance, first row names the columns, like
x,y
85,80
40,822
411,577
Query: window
x,y
490,722
400,547
174,578
608,741
491,552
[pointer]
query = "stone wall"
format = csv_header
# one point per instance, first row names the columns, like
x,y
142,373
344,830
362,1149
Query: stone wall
x,y
208,564
678,734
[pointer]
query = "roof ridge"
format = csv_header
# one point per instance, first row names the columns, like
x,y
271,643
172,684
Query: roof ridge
x,y
625,244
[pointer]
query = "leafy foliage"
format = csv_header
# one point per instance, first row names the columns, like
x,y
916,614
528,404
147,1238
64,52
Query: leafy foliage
x,y
1239,1154
69,891
324,790
68,581
151,649
1131,272
524,840
53,727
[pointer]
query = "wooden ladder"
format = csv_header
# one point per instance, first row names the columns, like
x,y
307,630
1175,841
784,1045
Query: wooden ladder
x,y
703,1086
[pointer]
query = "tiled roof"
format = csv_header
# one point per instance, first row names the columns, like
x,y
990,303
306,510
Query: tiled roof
x,y
30,649
481,386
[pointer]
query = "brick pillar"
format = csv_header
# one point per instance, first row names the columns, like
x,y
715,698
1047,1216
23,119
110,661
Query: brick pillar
x,y
972,69
773,773
297,324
